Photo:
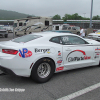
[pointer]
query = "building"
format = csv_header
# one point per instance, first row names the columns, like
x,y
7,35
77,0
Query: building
x,y
82,23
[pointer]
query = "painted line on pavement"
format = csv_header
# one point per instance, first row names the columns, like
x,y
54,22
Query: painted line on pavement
x,y
80,92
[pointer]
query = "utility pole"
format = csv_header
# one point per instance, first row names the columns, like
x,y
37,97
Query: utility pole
x,y
91,14
84,14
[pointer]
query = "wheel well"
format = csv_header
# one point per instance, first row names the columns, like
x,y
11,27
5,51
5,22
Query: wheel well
x,y
45,58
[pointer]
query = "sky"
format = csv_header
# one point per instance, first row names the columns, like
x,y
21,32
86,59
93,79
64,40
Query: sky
x,y
50,8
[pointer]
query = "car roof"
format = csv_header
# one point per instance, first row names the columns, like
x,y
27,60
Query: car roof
x,y
51,34
60,31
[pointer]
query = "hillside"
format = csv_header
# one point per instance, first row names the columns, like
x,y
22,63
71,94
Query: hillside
x,y
11,15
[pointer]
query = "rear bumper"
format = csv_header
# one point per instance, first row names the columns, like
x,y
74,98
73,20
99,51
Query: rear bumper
x,y
7,71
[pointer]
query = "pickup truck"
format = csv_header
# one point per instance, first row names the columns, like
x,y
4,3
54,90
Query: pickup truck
x,y
3,32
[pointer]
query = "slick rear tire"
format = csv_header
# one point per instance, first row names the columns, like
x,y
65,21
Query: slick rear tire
x,y
43,70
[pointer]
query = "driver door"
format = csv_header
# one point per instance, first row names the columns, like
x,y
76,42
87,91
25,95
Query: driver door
x,y
77,52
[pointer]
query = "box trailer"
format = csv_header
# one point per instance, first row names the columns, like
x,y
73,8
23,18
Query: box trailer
x,y
32,24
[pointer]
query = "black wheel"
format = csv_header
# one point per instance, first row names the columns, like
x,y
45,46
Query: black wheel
x,y
43,70
6,35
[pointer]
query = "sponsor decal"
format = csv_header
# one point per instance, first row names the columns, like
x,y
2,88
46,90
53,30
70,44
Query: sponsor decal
x,y
59,61
48,52
96,57
97,49
59,64
84,57
60,68
59,53
42,50
97,54
59,57
25,53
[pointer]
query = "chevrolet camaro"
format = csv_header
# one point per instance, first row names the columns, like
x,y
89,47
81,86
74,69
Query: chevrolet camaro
x,y
40,55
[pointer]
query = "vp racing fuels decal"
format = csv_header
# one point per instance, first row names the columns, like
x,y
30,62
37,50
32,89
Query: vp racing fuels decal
x,y
77,58
25,53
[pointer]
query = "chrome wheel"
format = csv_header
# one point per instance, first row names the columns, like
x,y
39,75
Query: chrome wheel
x,y
43,70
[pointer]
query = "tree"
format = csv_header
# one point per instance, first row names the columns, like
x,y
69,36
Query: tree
x,y
73,17
56,17
96,17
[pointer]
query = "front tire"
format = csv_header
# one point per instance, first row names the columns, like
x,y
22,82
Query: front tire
x,y
43,70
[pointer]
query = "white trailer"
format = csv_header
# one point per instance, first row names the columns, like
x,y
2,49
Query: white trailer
x,y
60,26
32,24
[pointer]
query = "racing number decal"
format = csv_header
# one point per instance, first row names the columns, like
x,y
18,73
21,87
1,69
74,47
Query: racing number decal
x,y
25,53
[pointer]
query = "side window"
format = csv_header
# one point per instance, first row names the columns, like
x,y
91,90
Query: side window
x,y
24,24
55,40
73,28
57,28
69,28
65,40
46,23
72,40
20,24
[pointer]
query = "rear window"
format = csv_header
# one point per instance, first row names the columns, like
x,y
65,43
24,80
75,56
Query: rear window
x,y
26,38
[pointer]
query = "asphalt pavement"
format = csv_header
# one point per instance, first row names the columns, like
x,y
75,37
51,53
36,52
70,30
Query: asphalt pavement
x,y
60,85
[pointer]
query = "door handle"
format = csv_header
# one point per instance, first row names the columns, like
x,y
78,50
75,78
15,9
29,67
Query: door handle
x,y
68,49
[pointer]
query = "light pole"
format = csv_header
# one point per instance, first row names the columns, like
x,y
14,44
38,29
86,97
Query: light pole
x,y
84,14
91,14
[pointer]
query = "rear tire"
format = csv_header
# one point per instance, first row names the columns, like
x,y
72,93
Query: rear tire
x,y
43,70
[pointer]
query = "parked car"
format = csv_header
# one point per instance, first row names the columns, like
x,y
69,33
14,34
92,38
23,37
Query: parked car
x,y
3,32
40,55
95,36
73,29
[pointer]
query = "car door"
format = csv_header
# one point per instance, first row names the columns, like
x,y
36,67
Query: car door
x,y
76,52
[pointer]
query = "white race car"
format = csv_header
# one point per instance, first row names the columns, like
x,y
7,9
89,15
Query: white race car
x,y
40,55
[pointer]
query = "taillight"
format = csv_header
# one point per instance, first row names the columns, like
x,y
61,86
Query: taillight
x,y
10,51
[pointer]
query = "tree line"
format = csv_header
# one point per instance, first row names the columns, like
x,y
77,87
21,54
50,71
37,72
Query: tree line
x,y
74,17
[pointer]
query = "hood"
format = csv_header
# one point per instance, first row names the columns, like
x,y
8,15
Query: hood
x,y
93,34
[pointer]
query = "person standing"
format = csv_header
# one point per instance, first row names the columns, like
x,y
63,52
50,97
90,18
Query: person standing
x,y
82,32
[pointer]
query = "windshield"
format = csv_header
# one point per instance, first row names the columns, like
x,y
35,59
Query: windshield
x,y
15,25
77,28
1,27
26,38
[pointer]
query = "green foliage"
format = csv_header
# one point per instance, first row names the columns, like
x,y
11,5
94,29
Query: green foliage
x,y
56,17
11,15
96,17
73,17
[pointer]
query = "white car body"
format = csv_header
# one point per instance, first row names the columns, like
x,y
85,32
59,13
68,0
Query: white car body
x,y
95,36
64,56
